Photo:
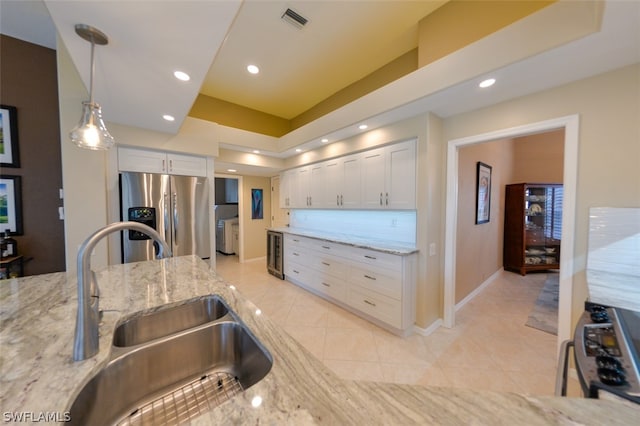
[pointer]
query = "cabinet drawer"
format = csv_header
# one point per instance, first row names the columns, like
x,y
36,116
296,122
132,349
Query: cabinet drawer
x,y
377,258
331,286
383,308
293,241
298,272
388,284
330,265
297,254
327,247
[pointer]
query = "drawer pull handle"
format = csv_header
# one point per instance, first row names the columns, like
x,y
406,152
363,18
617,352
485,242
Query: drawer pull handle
x,y
326,247
296,254
370,277
326,264
296,271
370,257
369,303
326,285
297,241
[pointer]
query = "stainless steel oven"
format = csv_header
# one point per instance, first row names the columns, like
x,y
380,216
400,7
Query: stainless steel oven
x,y
275,251
606,345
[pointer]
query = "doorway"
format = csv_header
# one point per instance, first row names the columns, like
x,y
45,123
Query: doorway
x,y
228,205
570,125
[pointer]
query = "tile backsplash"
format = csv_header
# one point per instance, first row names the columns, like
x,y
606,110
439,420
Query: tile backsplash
x,y
613,258
396,226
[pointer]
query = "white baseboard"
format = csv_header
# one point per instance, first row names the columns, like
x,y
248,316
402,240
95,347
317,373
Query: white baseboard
x,y
479,289
427,331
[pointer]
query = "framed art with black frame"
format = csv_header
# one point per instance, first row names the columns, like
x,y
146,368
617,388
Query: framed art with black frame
x,y
11,204
9,148
483,193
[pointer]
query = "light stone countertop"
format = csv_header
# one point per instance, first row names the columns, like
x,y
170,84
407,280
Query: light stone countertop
x,y
371,243
37,374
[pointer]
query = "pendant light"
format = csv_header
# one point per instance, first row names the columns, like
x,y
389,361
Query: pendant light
x,y
91,133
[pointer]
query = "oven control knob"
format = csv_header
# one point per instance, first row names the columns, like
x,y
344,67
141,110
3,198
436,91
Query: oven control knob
x,y
599,316
611,376
608,362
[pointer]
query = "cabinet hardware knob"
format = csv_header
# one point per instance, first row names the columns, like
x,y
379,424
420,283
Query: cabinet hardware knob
x,y
326,285
341,201
381,198
387,198
370,257
326,264
370,277
369,303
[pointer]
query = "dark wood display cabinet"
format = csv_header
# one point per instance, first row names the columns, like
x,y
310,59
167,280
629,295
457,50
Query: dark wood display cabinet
x,y
532,227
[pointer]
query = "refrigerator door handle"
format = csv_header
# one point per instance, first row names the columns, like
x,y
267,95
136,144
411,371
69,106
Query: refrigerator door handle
x,y
167,224
175,219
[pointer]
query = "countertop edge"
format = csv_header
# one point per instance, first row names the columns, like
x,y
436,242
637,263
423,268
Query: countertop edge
x,y
381,246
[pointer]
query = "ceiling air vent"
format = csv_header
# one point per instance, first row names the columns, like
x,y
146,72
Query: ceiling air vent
x,y
294,18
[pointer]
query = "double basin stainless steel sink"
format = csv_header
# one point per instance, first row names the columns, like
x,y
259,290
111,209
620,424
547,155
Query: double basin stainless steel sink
x,y
171,364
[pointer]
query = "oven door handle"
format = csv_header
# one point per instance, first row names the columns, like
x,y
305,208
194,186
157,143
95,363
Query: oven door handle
x,y
595,387
563,366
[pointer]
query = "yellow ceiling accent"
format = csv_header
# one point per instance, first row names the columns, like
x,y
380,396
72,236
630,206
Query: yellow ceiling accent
x,y
442,31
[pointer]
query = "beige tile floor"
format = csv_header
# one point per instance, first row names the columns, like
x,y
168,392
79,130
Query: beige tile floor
x,y
490,348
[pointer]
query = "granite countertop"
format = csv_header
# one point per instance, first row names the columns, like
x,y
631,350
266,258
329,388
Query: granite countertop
x,y
369,242
37,374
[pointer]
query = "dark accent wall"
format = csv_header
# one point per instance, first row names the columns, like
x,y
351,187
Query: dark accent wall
x,y
29,82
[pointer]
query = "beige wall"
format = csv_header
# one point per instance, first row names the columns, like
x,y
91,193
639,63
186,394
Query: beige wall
x,y
479,247
539,158
535,158
254,231
608,151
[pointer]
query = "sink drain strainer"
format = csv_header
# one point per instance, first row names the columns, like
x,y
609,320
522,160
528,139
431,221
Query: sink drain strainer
x,y
189,401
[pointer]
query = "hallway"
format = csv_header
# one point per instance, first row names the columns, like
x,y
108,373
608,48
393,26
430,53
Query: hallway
x,y
490,348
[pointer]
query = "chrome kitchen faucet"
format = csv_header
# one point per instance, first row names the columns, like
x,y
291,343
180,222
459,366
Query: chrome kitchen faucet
x,y
85,344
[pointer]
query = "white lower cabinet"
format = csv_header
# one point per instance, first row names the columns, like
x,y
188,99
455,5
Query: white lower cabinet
x,y
376,285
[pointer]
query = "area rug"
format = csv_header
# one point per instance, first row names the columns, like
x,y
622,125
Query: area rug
x,y
544,315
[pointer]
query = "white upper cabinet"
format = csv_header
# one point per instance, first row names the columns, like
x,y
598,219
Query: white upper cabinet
x,y
381,178
286,183
373,179
342,182
389,177
351,193
400,176
145,161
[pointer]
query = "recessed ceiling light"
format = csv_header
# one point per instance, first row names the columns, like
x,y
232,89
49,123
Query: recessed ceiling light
x,y
253,69
255,151
169,117
180,75
232,170
362,126
325,140
487,83
298,150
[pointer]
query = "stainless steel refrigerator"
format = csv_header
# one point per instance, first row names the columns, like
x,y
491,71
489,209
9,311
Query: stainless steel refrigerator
x,y
175,206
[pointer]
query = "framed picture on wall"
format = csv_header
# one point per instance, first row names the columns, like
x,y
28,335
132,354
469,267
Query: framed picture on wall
x,y
11,204
256,204
9,155
483,193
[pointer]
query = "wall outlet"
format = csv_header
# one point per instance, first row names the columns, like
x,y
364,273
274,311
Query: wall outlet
x,y
394,223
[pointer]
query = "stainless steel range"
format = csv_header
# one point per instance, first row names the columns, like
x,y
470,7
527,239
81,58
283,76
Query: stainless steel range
x,y
606,346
